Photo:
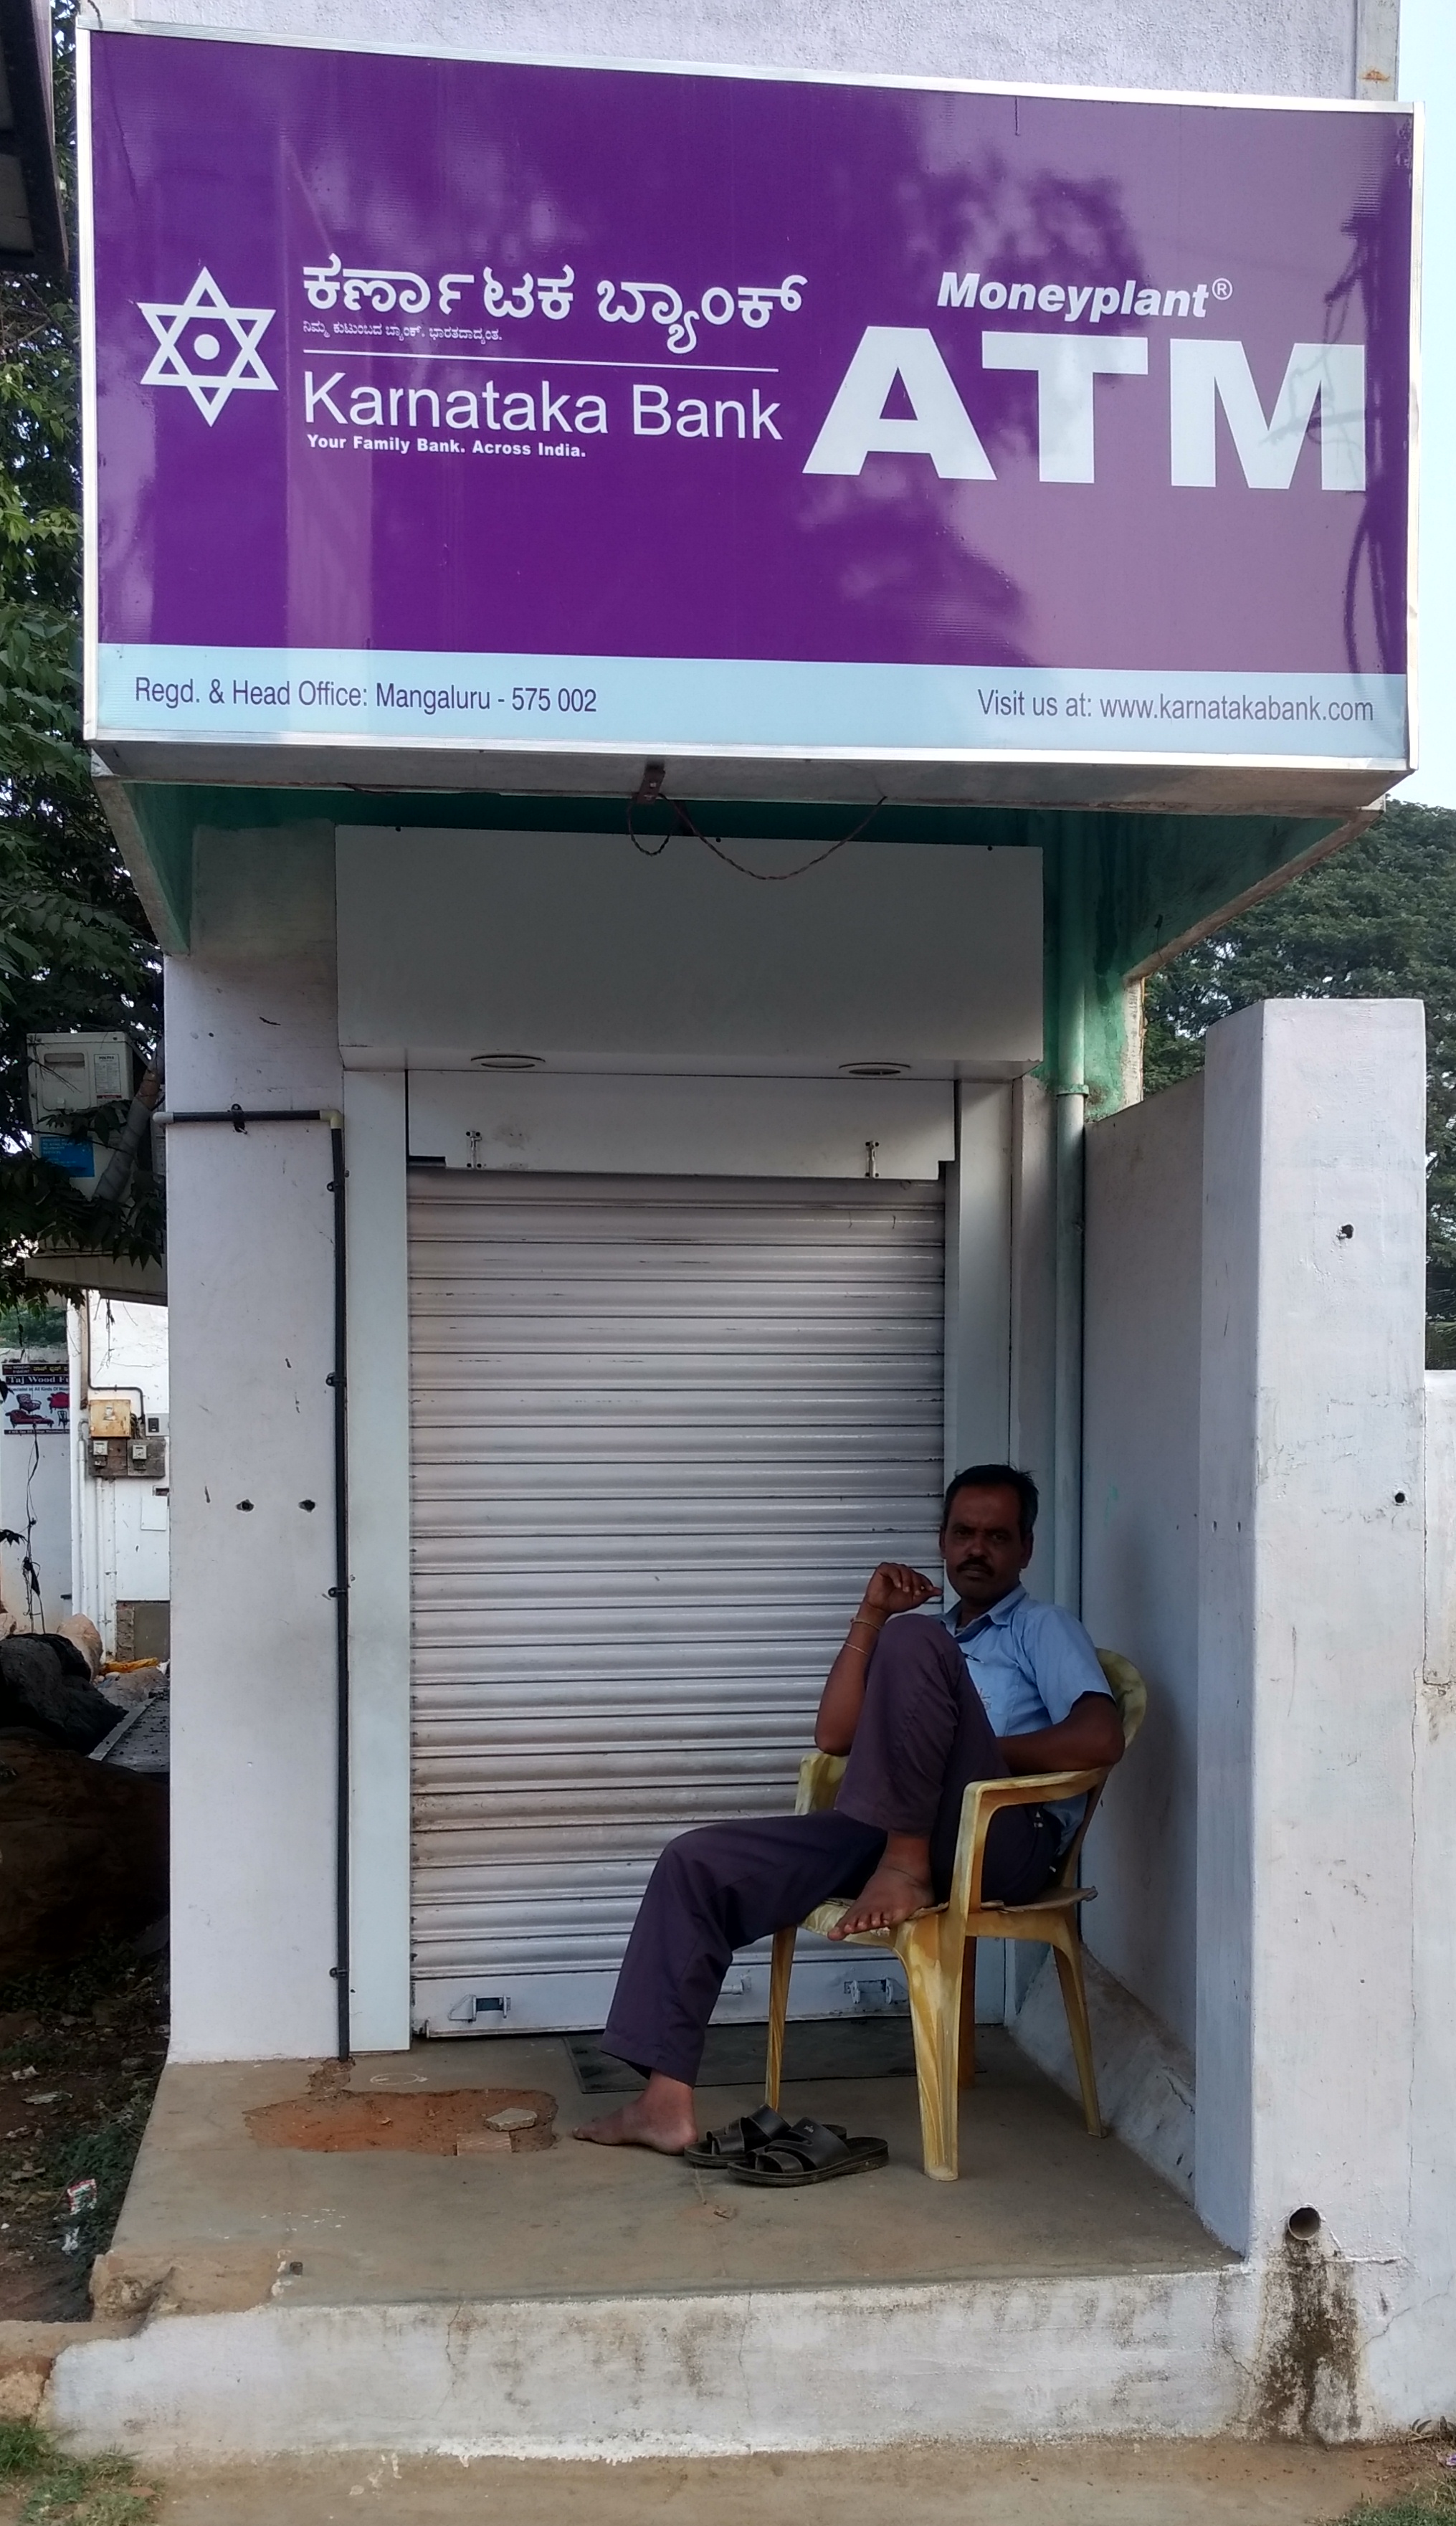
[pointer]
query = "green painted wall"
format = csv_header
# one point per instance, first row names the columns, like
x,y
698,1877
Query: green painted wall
x,y
1121,890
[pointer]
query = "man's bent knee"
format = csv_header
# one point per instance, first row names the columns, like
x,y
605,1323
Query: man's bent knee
x,y
691,1858
919,1645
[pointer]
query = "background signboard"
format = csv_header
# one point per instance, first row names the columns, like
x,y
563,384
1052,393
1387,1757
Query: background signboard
x,y
499,405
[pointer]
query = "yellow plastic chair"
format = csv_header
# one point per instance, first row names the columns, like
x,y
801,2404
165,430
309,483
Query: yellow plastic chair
x,y
937,1946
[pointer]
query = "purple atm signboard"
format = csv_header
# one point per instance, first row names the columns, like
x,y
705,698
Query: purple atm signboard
x,y
497,405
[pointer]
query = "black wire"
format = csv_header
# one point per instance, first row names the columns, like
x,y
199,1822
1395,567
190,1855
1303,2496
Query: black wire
x,y
761,876
28,1572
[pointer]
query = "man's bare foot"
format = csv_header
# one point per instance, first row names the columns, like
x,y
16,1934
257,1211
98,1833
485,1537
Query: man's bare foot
x,y
662,2119
892,1895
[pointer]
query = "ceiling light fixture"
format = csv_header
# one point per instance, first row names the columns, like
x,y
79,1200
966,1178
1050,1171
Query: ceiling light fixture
x,y
506,1060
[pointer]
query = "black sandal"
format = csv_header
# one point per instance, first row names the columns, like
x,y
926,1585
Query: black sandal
x,y
718,2153
810,2153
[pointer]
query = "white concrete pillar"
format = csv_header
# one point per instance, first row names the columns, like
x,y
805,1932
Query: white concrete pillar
x,y
251,1018
1309,1618
978,1279
1033,1297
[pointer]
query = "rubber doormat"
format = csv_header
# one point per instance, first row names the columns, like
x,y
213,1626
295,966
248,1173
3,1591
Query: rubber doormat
x,y
822,2047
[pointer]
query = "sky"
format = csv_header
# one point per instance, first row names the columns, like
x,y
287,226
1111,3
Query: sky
x,y
1428,72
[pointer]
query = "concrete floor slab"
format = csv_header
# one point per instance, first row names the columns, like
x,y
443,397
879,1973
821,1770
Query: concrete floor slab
x,y
582,2302
1036,2195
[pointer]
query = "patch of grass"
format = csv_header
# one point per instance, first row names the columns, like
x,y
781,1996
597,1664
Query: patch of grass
x,y
107,1970
1400,2512
22,2449
70,2491
1427,2505
92,2035
107,2154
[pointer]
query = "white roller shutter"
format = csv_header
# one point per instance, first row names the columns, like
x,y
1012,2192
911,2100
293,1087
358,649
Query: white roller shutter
x,y
661,1431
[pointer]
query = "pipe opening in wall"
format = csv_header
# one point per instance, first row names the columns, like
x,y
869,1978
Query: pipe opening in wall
x,y
1304,2224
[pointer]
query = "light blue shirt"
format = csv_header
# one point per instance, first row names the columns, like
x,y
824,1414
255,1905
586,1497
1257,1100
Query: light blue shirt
x,y
1031,1662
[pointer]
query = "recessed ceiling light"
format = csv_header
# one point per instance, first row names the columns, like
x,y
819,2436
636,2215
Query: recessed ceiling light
x,y
506,1060
873,1069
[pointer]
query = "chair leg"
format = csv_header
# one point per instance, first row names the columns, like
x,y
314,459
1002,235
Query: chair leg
x,y
779,1979
968,2016
1078,2025
935,2015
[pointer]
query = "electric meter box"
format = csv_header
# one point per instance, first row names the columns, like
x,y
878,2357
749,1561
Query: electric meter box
x,y
73,1074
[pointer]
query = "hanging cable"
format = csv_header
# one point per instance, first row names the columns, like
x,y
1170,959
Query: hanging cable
x,y
651,794
29,1575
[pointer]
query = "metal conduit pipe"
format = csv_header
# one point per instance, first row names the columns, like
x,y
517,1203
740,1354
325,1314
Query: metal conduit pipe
x,y
240,1119
1071,1151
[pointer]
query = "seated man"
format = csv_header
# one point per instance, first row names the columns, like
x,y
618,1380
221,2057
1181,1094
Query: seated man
x,y
922,1704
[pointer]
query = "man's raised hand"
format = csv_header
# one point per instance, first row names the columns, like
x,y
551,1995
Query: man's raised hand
x,y
893,1589
896,1589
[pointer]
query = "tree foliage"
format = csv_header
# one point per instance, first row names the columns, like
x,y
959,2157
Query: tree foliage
x,y
75,948
1377,920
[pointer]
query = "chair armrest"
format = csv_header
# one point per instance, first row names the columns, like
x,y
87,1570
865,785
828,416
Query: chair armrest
x,y
820,1776
985,1799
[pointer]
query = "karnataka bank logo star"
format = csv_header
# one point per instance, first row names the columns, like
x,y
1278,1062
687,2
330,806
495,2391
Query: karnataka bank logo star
x,y
208,346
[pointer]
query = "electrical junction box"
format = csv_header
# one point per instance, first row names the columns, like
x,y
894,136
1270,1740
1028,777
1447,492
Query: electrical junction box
x,y
110,1416
70,1074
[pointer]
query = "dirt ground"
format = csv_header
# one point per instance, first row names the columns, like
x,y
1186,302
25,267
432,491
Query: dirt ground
x,y
81,2049
1145,2483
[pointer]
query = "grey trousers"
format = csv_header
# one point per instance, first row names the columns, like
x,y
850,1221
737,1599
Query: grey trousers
x,y
922,1737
